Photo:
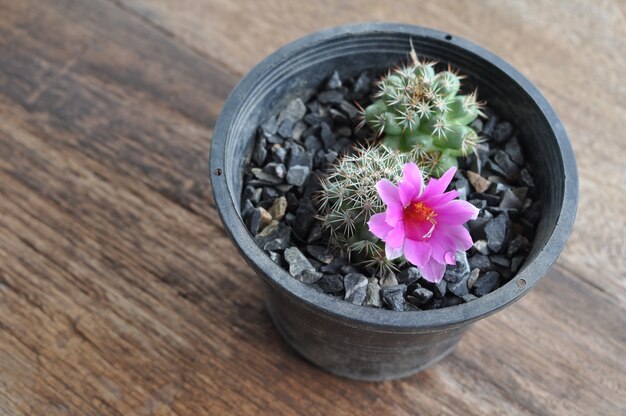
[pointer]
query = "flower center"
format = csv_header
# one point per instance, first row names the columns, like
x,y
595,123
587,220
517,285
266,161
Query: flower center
x,y
419,221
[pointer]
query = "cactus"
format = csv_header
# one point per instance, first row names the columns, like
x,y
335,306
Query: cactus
x,y
418,108
348,198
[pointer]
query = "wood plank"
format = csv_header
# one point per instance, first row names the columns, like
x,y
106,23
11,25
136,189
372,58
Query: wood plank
x,y
118,291
574,52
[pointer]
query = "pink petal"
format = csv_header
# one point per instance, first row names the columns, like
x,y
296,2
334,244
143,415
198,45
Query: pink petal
x,y
395,237
378,226
388,192
411,174
458,234
439,186
443,247
394,214
456,213
416,252
408,192
435,201
433,271
393,253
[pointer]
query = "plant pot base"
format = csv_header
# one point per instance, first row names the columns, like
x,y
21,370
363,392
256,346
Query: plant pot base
x,y
356,352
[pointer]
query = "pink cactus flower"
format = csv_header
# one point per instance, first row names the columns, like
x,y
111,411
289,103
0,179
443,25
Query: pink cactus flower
x,y
423,223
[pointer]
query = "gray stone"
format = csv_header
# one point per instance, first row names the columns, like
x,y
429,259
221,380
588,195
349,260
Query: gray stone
x,y
248,206
277,244
356,288
265,177
299,157
276,258
278,208
362,84
477,125
462,187
327,136
351,111
312,144
315,234
341,144
334,81
298,263
294,111
459,271
510,200
276,169
320,253
347,269
297,175
477,227
260,153
490,124
275,230
526,179
469,297
269,127
330,156
514,150
420,296
284,187
298,130
481,246
496,231
331,283
304,218
279,153
460,287
408,276
330,97
516,263
275,139
439,288
502,132
285,128
372,297
253,221
481,262
471,280
388,279
503,160
393,297
500,260
486,283
269,194
309,277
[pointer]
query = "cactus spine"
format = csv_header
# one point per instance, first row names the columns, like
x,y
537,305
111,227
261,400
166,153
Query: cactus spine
x,y
418,108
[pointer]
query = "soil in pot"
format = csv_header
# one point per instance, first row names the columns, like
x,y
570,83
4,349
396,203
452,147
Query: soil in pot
x,y
293,151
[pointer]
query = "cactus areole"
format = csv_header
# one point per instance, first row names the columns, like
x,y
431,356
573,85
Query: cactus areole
x,y
417,106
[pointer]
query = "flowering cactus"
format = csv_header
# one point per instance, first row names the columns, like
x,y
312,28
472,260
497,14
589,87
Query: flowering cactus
x,y
418,108
348,199
423,223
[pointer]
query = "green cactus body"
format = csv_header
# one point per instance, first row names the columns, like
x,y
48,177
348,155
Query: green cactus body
x,y
418,108
349,198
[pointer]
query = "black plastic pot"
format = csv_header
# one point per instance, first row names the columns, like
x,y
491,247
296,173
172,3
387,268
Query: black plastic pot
x,y
356,341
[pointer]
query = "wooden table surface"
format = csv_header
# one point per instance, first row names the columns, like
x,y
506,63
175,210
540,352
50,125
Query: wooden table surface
x,y
120,293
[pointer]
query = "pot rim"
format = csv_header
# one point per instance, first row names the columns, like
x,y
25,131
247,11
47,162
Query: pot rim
x,y
374,318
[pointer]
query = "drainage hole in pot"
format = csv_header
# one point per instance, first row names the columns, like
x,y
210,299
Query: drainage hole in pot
x,y
448,37
521,283
218,172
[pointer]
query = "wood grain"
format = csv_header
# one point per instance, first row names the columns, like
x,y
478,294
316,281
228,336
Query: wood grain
x,y
120,293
